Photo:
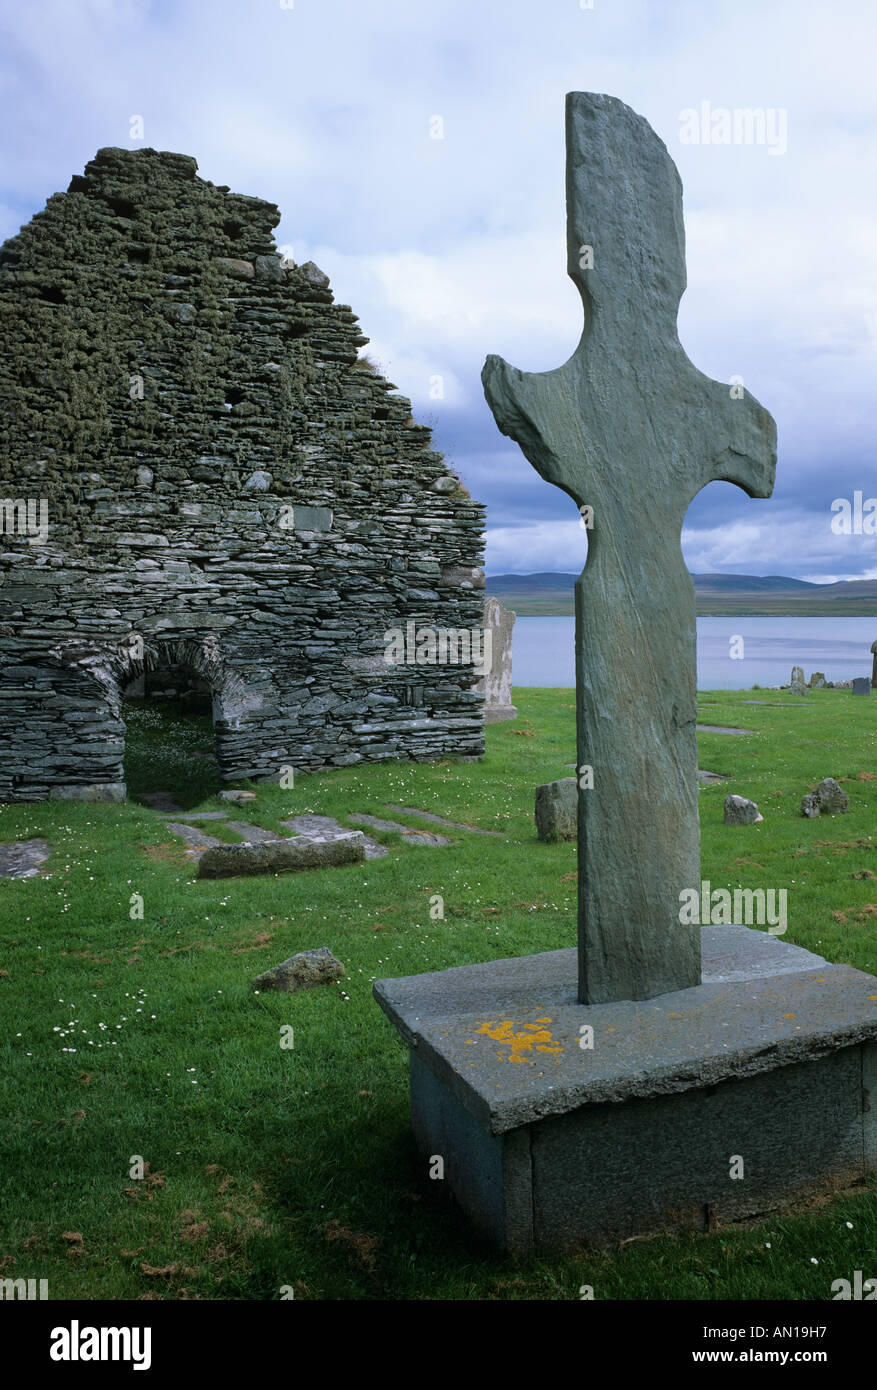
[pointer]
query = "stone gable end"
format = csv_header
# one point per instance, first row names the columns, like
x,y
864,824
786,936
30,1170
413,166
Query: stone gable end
x,y
227,487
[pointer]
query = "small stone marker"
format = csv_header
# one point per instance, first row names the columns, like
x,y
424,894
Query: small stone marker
x,y
797,684
874,666
739,810
631,430
236,796
861,685
829,799
497,681
557,808
817,681
307,968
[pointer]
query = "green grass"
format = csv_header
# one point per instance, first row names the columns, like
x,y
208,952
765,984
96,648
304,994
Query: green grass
x,y
273,1167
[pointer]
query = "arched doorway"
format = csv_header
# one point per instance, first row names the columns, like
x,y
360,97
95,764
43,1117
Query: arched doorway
x,y
172,696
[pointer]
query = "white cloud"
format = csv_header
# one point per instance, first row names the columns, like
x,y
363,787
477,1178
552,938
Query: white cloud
x,y
451,249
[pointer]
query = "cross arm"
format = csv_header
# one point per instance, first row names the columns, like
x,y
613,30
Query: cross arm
x,y
539,411
744,442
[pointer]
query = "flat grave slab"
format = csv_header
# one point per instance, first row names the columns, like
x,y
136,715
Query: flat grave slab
x,y
278,855
22,858
721,729
252,834
411,837
440,820
194,838
327,828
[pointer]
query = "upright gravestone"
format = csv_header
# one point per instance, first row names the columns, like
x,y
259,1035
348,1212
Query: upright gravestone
x,y
797,684
559,1118
861,685
497,679
874,666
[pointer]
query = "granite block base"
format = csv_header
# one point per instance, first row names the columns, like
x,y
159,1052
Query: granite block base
x,y
690,1110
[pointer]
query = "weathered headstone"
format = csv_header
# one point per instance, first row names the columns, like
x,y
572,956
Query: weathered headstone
x,y
797,684
497,680
556,810
861,685
817,681
630,429
829,799
874,666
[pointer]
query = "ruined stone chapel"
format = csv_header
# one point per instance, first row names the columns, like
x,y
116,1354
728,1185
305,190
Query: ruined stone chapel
x,y
200,473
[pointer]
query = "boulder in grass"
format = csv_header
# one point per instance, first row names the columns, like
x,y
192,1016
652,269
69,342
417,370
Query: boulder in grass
x,y
739,810
281,856
307,968
557,810
829,799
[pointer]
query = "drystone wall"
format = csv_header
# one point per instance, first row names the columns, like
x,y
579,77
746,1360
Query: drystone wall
x,y
198,470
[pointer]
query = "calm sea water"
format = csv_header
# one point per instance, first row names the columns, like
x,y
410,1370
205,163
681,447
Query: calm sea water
x,y
839,647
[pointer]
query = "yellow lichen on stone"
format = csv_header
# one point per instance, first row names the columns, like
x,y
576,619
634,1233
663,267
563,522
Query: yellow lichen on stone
x,y
531,1037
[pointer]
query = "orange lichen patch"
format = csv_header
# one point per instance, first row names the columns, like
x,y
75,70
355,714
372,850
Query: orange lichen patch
x,y
528,1039
788,1015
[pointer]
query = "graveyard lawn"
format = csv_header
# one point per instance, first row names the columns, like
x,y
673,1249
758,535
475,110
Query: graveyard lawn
x,y
267,1168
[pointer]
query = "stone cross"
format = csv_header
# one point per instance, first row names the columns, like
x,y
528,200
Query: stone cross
x,y
631,430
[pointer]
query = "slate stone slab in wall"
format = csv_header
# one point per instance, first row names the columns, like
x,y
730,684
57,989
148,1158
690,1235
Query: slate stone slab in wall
x,y
228,487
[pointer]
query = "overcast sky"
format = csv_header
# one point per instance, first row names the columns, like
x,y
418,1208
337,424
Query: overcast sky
x,y
452,248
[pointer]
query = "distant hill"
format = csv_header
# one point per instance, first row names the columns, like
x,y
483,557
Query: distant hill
x,y
551,595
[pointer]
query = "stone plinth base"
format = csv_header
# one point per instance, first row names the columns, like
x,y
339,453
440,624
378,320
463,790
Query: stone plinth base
x,y
763,1070
496,714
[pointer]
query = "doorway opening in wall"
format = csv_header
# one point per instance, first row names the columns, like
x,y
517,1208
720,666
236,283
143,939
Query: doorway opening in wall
x,y
170,749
